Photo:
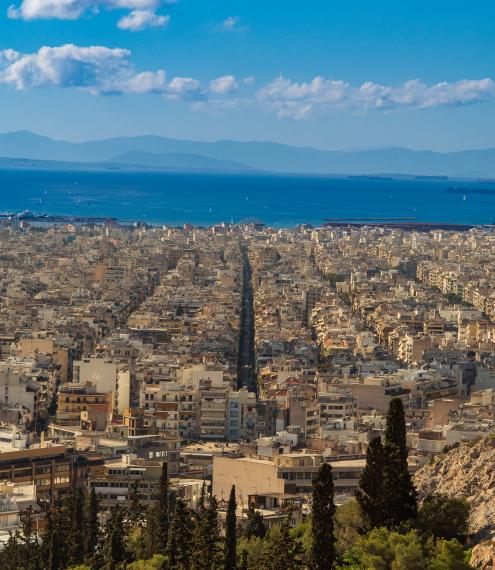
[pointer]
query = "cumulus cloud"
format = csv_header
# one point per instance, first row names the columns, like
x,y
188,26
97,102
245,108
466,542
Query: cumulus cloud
x,y
96,69
138,20
73,9
185,89
224,85
303,100
142,12
102,70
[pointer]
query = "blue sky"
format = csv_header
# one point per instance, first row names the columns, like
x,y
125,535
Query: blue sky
x,y
353,74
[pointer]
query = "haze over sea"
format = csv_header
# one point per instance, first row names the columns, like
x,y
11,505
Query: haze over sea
x,y
205,199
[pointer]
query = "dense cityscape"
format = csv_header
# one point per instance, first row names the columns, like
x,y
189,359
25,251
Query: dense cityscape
x,y
240,396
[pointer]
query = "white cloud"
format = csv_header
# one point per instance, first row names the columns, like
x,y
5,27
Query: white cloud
x,y
185,89
320,95
138,20
142,12
224,85
101,70
231,24
73,9
96,69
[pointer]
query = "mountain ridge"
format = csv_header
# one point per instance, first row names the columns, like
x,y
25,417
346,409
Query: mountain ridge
x,y
254,155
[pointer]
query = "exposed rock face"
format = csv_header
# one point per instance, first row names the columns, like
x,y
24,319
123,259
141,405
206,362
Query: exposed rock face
x,y
483,556
467,471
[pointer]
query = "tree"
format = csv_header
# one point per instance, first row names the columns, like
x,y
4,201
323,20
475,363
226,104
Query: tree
x,y
400,498
449,555
180,538
322,522
92,530
135,511
444,517
254,524
78,527
371,491
113,552
282,551
382,549
395,432
231,533
158,520
206,549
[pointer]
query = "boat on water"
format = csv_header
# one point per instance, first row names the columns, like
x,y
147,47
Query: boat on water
x,y
465,191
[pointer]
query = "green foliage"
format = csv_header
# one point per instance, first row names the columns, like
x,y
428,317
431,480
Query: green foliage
x,y
157,523
180,538
254,524
371,493
282,550
207,554
158,562
399,498
113,550
382,549
255,551
322,523
444,517
348,525
231,533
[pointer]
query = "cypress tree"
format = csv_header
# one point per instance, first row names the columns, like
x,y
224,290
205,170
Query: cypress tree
x,y
395,433
92,531
254,524
113,546
322,523
158,519
400,497
370,495
77,527
180,538
231,533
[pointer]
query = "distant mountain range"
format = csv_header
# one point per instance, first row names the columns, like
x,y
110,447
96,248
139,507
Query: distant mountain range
x,y
159,153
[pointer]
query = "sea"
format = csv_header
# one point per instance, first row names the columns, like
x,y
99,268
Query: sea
x,y
174,198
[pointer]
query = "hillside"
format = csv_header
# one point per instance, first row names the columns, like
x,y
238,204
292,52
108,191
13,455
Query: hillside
x,y
257,155
183,161
467,471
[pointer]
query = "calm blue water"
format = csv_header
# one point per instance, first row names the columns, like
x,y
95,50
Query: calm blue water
x,y
204,199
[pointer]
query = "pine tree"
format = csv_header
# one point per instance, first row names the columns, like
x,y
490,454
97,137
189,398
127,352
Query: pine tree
x,y
206,547
255,527
231,533
322,523
92,530
400,497
180,538
283,551
113,553
370,495
158,519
